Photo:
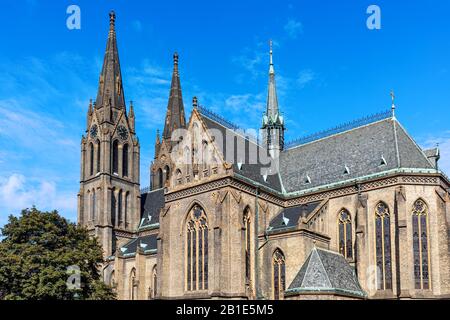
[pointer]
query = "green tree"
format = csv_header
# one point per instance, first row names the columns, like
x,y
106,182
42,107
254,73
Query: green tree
x,y
36,252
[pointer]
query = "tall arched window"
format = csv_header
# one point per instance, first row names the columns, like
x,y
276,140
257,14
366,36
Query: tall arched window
x,y
98,156
119,208
91,159
112,280
115,157
133,285
279,274
113,207
159,175
196,250
420,245
154,282
345,234
125,160
247,244
166,174
94,205
126,209
383,246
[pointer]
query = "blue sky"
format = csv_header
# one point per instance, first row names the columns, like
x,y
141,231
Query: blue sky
x,y
330,69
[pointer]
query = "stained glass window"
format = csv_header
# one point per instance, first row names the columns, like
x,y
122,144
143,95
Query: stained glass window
x,y
383,246
197,250
345,234
420,245
279,274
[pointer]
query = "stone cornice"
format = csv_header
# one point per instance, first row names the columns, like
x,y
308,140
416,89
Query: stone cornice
x,y
364,184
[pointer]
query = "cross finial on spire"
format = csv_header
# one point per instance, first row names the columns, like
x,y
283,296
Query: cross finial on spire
x,y
195,102
271,70
393,102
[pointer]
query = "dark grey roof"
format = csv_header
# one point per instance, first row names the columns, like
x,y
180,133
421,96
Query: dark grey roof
x,y
290,217
249,169
326,272
151,204
366,150
146,243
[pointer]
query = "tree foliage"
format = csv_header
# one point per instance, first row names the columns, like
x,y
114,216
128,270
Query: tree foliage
x,y
36,252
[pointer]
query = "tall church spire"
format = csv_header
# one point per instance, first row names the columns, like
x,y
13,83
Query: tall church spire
x,y
175,118
273,122
110,89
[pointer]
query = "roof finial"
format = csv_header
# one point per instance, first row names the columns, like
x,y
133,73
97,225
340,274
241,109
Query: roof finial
x,y
175,58
393,103
271,70
195,102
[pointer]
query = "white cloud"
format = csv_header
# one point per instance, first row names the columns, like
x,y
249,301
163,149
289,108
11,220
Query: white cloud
x,y
305,77
293,28
17,193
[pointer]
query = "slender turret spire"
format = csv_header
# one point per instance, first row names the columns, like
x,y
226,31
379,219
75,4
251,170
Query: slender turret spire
x,y
393,103
272,99
175,118
273,122
110,89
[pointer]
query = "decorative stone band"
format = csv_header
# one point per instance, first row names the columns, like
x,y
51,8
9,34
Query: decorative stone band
x,y
366,183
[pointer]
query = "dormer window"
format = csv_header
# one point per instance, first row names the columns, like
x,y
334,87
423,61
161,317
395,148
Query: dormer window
x,y
307,179
383,161
346,170
239,164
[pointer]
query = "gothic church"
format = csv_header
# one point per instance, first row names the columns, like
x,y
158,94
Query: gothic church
x,y
357,212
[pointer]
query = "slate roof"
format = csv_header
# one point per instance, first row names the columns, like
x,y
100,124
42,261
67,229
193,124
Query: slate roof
x,y
151,204
369,149
252,171
326,272
146,243
290,217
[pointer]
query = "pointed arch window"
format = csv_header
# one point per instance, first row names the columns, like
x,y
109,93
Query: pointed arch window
x,y
196,250
279,274
383,246
133,285
166,174
94,205
125,160
154,282
113,207
119,208
91,158
247,243
115,157
98,156
345,234
112,280
159,176
420,245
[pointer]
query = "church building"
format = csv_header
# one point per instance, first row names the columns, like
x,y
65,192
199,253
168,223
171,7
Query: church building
x,y
357,212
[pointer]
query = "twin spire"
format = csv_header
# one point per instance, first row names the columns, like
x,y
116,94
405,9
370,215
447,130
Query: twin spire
x,y
175,118
110,89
